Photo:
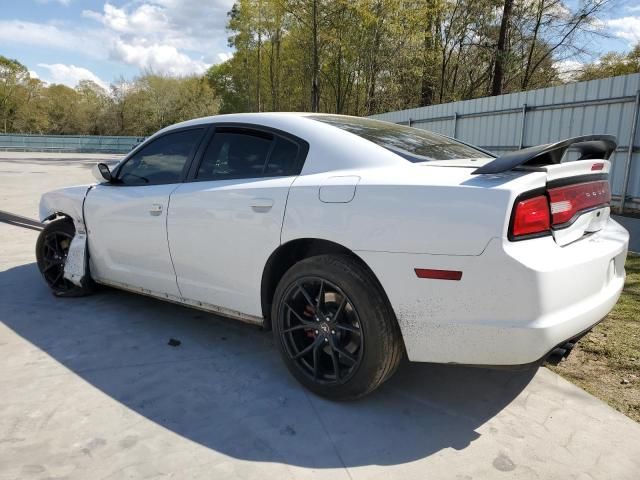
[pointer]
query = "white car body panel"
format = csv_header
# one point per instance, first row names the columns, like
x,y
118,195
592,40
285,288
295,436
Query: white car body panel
x,y
209,244
69,201
127,235
66,200
417,201
221,234
513,304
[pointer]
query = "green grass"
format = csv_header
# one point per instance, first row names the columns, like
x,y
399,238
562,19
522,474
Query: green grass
x,y
606,362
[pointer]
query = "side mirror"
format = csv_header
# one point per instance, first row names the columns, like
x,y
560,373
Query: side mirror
x,y
102,173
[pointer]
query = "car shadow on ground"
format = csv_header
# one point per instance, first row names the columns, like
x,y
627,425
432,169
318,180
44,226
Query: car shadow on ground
x,y
226,388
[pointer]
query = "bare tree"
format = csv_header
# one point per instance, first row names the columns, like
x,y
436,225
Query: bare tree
x,y
501,49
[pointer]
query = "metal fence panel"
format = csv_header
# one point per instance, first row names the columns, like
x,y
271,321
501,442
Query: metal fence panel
x,y
508,122
68,143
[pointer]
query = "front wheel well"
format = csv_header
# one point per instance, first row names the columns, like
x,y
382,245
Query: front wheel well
x,y
290,253
57,216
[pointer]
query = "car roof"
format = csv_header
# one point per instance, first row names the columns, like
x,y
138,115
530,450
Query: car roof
x,y
260,118
331,148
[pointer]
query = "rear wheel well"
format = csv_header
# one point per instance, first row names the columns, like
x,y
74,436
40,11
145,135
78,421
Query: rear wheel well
x,y
290,253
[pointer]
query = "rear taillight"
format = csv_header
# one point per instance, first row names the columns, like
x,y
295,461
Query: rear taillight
x,y
531,217
560,205
567,201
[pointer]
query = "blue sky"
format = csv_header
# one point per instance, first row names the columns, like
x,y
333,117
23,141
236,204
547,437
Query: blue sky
x,y
64,41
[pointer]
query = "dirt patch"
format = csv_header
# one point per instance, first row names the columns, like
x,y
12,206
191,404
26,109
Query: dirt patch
x,y
606,362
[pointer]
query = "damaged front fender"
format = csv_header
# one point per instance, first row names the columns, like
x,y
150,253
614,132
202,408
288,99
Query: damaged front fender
x,y
64,201
69,202
76,264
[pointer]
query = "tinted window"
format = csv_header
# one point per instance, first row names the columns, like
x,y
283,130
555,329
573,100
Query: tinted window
x,y
412,144
233,154
283,158
162,161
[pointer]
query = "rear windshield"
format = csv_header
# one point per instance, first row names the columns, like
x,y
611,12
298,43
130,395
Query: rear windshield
x,y
412,144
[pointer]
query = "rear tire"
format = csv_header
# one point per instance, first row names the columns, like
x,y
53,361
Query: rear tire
x,y
52,248
334,327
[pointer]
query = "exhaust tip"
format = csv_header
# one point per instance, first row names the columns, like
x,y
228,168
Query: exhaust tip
x,y
559,353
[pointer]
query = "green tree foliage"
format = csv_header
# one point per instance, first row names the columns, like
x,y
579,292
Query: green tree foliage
x,y
14,77
139,107
367,56
356,57
612,64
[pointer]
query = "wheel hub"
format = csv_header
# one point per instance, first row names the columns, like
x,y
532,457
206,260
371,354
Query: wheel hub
x,y
325,328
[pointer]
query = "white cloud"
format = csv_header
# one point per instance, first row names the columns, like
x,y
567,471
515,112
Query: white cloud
x,y
70,75
176,37
567,69
627,28
33,74
89,42
61,2
158,58
146,19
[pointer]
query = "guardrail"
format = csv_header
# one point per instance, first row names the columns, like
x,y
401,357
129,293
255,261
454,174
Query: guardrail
x,y
68,143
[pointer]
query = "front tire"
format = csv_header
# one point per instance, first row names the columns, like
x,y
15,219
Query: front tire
x,y
52,248
335,328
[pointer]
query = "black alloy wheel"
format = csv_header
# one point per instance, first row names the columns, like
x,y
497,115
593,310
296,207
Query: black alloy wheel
x,y
55,250
322,332
334,327
52,249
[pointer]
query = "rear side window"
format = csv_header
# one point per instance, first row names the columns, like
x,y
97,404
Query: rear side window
x,y
412,144
162,161
283,158
247,154
234,155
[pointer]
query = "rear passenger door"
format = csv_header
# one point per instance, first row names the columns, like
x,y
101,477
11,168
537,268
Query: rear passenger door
x,y
226,220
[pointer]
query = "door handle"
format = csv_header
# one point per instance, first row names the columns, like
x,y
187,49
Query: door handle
x,y
156,209
261,205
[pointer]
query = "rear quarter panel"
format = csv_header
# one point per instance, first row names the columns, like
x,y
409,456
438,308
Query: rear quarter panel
x,y
415,209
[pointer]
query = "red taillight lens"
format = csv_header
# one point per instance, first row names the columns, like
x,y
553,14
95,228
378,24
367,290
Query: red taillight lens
x,y
531,216
571,199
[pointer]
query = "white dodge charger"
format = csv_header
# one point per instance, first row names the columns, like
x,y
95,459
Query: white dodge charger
x,y
355,240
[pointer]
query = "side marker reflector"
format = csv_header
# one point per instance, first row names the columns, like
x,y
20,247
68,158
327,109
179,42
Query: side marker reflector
x,y
438,274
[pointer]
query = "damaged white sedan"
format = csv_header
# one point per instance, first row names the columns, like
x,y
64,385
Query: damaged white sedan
x,y
357,241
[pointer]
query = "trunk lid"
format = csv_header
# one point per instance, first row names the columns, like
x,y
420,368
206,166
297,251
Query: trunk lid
x,y
578,191
575,194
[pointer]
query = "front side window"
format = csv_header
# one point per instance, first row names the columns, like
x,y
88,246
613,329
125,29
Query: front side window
x,y
412,144
162,161
247,154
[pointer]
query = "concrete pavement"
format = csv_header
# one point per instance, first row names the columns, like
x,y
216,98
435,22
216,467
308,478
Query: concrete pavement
x,y
89,388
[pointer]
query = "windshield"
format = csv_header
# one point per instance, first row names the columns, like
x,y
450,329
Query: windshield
x,y
412,144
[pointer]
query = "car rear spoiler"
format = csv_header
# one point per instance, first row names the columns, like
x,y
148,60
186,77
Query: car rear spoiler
x,y
589,147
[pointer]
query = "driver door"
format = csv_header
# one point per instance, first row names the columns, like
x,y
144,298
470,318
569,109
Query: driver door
x,y
127,219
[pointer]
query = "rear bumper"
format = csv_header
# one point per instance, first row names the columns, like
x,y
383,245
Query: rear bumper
x,y
514,303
